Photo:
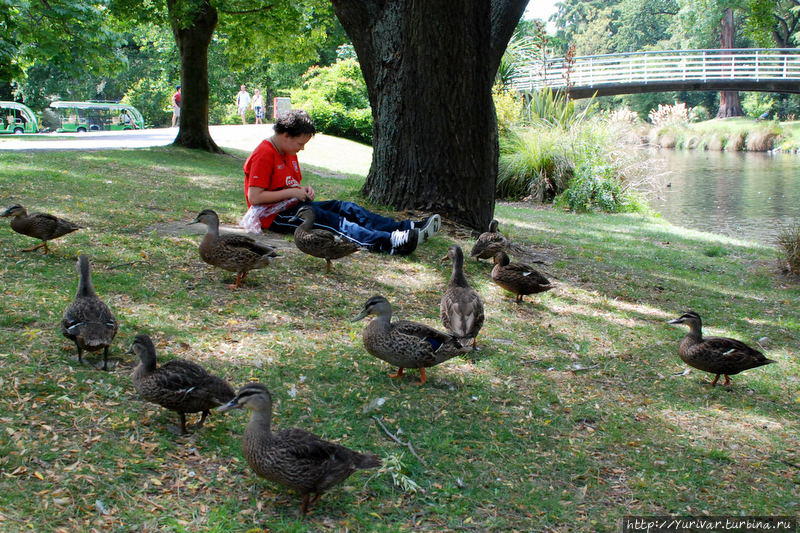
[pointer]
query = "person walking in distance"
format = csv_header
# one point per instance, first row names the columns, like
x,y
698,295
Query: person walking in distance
x,y
258,106
243,102
176,106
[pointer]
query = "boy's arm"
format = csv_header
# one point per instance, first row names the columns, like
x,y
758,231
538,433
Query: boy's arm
x,y
258,195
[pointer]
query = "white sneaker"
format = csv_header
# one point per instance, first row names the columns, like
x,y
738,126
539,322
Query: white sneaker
x,y
404,241
428,227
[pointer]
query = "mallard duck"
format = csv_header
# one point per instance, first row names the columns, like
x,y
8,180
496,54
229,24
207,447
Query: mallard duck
x,y
717,355
519,278
461,306
235,253
489,243
177,385
293,457
38,225
403,343
319,242
88,322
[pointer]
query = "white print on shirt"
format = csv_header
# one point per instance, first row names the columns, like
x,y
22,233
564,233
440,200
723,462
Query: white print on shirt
x,y
292,182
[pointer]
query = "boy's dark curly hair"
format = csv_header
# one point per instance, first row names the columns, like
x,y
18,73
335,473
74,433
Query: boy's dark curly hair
x,y
295,122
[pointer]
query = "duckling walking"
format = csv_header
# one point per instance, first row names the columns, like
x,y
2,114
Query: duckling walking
x,y
88,322
722,356
461,306
293,457
319,242
519,278
38,225
178,385
403,343
235,253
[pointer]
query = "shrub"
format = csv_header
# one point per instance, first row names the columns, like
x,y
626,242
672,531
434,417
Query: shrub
x,y
153,99
624,115
789,244
664,115
756,104
508,109
761,140
595,186
336,98
533,163
587,167
699,113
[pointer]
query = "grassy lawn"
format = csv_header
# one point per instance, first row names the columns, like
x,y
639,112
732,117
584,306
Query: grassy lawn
x,y
571,416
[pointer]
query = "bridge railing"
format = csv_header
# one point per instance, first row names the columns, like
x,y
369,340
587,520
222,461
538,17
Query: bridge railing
x,y
759,64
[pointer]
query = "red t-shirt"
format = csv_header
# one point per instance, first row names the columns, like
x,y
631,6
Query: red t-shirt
x,y
268,169
176,98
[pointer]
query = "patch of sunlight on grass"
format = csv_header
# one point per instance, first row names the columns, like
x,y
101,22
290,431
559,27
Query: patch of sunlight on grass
x,y
414,276
729,428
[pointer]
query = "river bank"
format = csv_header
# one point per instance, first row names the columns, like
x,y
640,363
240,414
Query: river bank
x,y
730,134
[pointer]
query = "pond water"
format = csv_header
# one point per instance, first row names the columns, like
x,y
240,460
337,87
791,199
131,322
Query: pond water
x,y
739,194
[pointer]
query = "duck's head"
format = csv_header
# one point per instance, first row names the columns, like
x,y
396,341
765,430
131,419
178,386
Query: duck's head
x,y
493,226
377,305
253,396
306,212
454,254
501,258
143,348
14,211
690,318
208,217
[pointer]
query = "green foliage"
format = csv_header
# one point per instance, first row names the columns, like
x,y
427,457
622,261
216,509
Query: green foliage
x,y
534,162
755,104
508,108
587,167
336,98
153,99
555,109
596,185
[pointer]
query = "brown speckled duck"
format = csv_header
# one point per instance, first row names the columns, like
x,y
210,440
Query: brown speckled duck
x,y
489,243
235,253
177,385
403,343
319,242
519,278
88,322
718,355
461,306
38,225
293,457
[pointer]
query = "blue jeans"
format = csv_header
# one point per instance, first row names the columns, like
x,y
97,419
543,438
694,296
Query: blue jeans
x,y
350,220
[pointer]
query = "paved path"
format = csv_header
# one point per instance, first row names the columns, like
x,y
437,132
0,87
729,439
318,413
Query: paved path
x,y
322,151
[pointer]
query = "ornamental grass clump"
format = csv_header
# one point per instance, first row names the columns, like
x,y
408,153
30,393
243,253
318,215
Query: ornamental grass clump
x,y
789,245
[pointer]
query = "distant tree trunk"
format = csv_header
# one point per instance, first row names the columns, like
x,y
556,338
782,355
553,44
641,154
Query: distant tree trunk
x,y
429,68
193,27
729,104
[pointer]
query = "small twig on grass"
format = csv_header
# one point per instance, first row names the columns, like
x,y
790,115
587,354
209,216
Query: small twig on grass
x,y
789,463
124,264
397,440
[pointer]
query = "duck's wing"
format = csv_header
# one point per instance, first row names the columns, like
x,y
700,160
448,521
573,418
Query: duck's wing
x,y
244,242
462,311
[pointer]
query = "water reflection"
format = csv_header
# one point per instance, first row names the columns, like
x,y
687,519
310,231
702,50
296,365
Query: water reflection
x,y
745,195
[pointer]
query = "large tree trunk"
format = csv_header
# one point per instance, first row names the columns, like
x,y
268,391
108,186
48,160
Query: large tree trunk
x,y
729,104
429,68
193,24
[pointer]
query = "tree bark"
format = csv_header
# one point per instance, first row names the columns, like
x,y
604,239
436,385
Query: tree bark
x,y
429,67
193,23
729,104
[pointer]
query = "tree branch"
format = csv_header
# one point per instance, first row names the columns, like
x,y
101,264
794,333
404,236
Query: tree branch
x,y
504,16
246,11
